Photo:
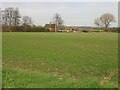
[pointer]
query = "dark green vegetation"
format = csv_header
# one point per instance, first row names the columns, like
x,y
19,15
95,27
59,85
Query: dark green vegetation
x,y
24,29
85,60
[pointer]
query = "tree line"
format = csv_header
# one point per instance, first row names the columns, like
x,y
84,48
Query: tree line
x,y
12,21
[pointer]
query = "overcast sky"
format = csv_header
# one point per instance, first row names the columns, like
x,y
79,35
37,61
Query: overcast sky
x,y
73,13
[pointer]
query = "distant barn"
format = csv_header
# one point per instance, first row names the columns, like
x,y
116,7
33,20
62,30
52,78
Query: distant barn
x,y
51,27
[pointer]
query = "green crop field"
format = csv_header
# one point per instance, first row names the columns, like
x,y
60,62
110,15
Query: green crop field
x,y
60,60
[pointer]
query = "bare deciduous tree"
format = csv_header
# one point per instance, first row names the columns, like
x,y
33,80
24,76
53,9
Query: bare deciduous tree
x,y
107,19
16,16
10,17
58,21
27,22
7,16
98,22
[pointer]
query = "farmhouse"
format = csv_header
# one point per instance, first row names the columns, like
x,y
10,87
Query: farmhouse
x,y
50,26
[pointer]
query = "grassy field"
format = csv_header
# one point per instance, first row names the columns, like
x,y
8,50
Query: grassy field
x,y
60,60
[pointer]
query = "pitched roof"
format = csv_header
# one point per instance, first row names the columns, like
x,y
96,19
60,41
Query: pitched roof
x,y
50,25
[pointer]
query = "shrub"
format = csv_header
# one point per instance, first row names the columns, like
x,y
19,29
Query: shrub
x,y
84,30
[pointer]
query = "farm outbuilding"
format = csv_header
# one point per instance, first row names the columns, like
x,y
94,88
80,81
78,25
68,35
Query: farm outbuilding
x,y
51,27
